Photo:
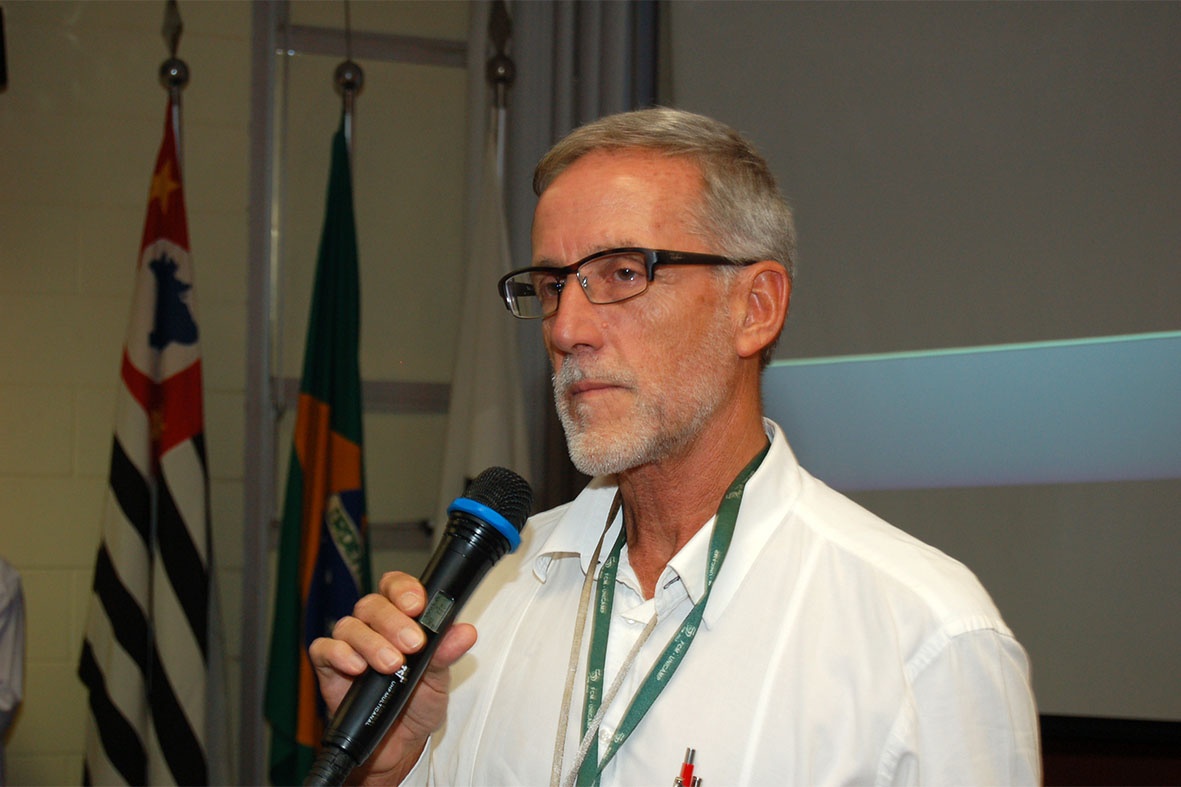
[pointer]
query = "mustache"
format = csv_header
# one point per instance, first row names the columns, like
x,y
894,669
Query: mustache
x,y
569,374
573,372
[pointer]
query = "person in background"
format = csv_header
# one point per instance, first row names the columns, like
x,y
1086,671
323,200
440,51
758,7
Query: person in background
x,y
12,653
705,608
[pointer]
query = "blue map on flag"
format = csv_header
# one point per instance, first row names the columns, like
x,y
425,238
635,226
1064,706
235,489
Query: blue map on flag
x,y
174,322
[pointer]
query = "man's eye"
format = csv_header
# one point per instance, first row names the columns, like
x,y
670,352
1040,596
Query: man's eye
x,y
550,288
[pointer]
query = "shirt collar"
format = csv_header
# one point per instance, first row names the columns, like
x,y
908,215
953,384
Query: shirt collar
x,y
689,563
578,530
767,503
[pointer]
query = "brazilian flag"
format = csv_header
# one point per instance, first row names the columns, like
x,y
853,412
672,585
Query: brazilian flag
x,y
323,549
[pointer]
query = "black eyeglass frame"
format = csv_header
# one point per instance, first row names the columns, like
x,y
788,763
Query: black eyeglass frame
x,y
652,258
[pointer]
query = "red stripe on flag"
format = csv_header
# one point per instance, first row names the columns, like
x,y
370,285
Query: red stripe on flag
x,y
174,406
139,385
180,409
166,200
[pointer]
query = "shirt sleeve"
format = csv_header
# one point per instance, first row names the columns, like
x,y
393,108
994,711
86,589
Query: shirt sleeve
x,y
971,717
12,645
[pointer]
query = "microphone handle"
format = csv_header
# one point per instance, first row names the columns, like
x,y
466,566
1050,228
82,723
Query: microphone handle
x,y
375,700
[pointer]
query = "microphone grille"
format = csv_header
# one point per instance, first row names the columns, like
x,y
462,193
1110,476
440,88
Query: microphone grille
x,y
504,492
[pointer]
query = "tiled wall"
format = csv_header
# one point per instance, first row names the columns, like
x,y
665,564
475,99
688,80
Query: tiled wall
x,y
80,123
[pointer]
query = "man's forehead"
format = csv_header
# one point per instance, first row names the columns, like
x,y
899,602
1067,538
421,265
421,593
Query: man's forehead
x,y
623,181
614,199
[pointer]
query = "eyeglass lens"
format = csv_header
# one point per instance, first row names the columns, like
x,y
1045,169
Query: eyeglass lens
x,y
607,279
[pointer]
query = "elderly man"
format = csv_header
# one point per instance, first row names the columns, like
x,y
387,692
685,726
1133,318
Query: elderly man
x,y
704,599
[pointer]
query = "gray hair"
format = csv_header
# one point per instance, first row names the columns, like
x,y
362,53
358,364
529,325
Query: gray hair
x,y
741,210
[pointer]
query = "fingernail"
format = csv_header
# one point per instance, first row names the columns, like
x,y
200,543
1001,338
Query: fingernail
x,y
388,658
411,639
409,600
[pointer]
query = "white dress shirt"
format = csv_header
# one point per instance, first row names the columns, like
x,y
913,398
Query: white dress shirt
x,y
835,649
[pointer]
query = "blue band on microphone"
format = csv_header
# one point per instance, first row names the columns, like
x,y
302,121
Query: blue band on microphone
x,y
490,516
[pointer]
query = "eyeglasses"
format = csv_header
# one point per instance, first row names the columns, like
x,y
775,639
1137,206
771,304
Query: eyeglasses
x,y
607,276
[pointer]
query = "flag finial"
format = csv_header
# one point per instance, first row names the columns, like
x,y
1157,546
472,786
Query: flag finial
x,y
174,72
500,69
350,78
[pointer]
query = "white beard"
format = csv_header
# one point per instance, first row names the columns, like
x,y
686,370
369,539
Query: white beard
x,y
663,420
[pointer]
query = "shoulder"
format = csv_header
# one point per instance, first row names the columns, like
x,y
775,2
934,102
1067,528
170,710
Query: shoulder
x,y
860,557
899,565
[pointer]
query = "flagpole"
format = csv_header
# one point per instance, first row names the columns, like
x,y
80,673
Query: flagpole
x,y
349,78
174,72
489,431
500,72
323,566
174,75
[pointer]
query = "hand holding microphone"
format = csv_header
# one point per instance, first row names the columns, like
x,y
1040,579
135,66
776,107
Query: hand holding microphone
x,y
483,525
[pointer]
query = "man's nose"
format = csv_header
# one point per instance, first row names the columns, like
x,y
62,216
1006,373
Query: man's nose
x,y
576,321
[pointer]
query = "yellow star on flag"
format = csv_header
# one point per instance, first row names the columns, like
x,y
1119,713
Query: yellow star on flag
x,y
163,185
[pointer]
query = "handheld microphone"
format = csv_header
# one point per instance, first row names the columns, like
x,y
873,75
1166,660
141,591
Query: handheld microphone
x,y
482,526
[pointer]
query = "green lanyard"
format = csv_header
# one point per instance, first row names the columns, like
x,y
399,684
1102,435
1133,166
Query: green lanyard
x,y
662,671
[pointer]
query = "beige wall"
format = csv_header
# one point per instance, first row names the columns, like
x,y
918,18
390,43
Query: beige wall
x,y
80,124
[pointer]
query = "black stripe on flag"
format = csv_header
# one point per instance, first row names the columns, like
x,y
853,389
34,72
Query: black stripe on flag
x,y
182,750
122,610
184,566
120,742
131,491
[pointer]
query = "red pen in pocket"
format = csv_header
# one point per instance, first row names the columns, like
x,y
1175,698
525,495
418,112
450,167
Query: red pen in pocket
x,y
685,778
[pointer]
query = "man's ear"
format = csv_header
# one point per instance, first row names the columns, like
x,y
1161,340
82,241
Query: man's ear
x,y
762,300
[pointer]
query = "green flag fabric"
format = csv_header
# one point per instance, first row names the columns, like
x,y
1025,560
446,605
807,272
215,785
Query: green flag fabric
x,y
323,563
